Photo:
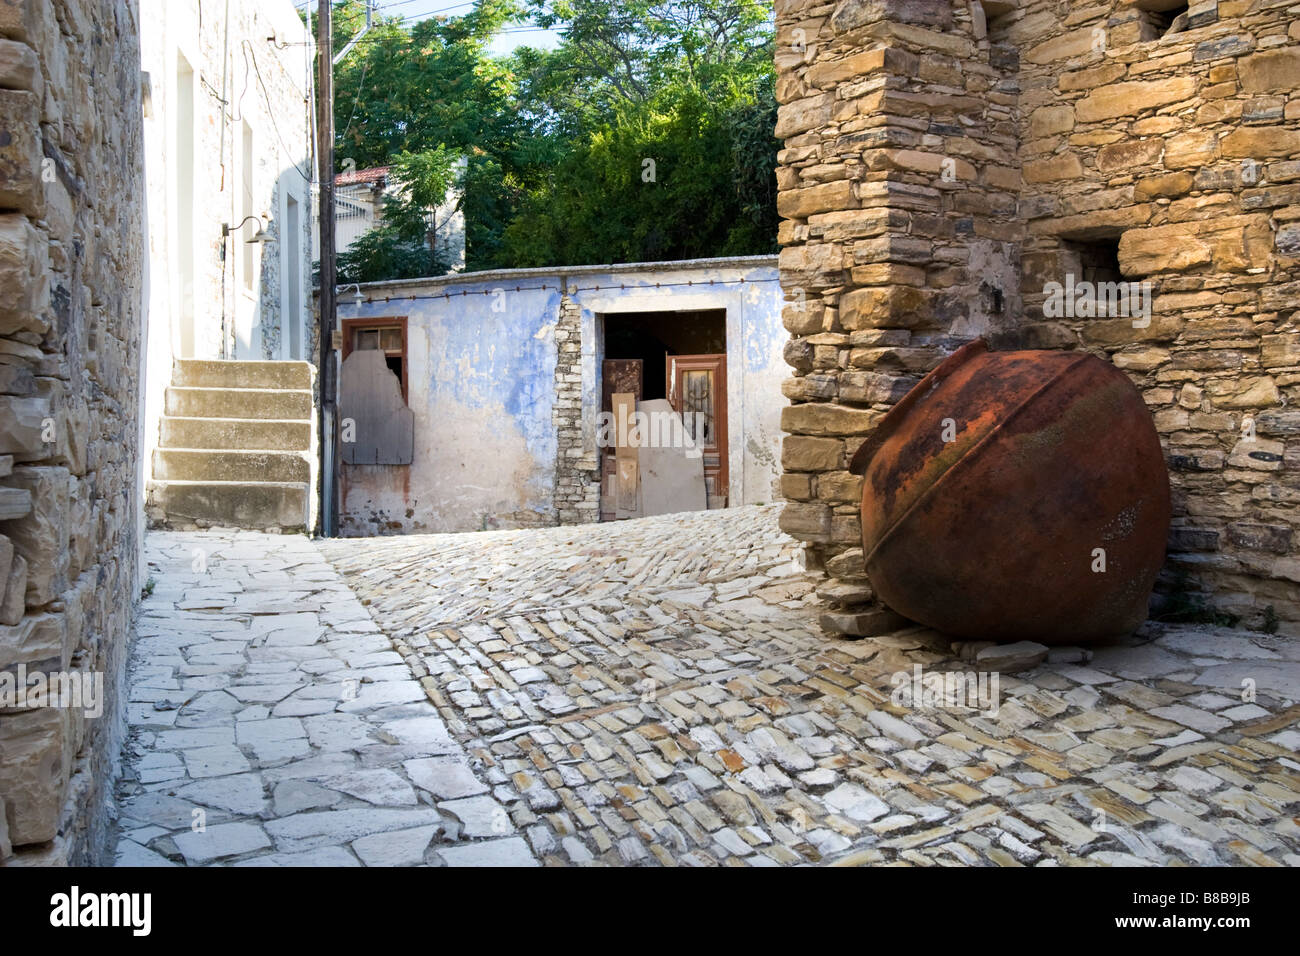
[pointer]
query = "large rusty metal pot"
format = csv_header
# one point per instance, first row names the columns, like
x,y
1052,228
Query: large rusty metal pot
x,y
1016,496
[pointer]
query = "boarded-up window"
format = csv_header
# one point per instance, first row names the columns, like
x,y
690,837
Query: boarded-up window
x,y
373,393
376,426
383,335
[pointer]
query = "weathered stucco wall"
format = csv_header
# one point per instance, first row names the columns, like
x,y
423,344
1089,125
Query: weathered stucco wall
x,y
945,161
71,261
481,385
197,170
504,383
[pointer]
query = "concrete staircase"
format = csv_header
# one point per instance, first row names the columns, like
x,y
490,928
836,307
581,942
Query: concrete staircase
x,y
235,447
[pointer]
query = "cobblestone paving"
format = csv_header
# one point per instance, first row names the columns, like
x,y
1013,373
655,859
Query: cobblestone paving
x,y
272,724
656,692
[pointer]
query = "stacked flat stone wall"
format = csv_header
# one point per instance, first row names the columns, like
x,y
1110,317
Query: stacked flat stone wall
x,y
577,470
71,190
946,161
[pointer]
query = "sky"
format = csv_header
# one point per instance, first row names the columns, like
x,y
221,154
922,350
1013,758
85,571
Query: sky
x,y
520,35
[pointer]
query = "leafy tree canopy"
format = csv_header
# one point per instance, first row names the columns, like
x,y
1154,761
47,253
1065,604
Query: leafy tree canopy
x,y
646,134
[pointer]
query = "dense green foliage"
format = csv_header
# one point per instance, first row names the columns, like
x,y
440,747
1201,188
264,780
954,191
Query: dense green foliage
x,y
400,246
645,135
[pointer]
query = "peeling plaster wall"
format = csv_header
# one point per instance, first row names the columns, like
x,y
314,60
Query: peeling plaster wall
x,y
490,434
481,385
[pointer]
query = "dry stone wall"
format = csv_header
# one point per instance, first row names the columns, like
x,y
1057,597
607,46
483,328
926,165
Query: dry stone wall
x,y
70,319
577,469
956,168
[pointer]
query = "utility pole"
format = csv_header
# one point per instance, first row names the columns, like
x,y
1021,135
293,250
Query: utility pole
x,y
328,419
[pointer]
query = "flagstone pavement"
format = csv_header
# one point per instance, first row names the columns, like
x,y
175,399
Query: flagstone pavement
x,y
658,692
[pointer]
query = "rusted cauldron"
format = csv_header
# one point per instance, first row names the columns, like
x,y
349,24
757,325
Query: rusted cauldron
x,y
1016,496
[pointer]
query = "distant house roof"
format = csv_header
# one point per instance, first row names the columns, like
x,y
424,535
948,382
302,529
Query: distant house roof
x,y
375,174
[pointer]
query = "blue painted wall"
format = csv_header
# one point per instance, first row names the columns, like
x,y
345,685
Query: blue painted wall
x,y
482,387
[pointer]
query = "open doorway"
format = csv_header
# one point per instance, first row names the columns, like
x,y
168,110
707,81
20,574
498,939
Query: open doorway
x,y
678,356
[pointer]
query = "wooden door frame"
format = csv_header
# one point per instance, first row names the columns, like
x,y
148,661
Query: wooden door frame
x,y
686,363
380,322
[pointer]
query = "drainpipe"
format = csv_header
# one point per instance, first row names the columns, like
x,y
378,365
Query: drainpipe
x,y
329,477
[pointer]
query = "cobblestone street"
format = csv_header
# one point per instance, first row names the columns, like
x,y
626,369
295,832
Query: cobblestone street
x,y
659,692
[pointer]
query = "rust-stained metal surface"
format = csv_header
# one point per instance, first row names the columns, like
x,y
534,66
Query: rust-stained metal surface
x,y
1052,470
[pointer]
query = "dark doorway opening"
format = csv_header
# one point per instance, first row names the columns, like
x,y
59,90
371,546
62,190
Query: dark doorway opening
x,y
650,336
640,351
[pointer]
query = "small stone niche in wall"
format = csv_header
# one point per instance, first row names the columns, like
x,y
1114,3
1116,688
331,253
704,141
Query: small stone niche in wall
x,y
1161,18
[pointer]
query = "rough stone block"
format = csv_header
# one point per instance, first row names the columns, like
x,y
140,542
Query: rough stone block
x,y
1127,99
13,600
40,641
851,14
806,520
803,453
803,115
22,424
37,767
1270,70
42,536
886,307
1055,169
19,67
22,276
1169,185
14,503
816,418
18,18
16,380
870,623
1142,152
1260,537
1259,142
802,203
839,487
20,153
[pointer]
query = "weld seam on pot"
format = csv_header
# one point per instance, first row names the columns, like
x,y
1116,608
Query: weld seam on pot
x,y
970,455
862,457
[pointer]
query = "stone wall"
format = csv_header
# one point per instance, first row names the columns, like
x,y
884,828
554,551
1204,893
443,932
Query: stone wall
x,y
947,161
577,468
70,317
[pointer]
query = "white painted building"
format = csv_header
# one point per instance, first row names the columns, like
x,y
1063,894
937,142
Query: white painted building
x,y
227,136
228,101
359,196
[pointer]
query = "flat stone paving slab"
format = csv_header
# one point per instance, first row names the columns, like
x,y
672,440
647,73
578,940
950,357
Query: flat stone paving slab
x,y
272,723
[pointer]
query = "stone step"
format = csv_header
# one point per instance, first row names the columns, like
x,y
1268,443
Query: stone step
x,y
205,464
201,373
237,433
230,504
192,402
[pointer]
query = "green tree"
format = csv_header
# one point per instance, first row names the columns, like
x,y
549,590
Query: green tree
x,y
556,142
401,246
